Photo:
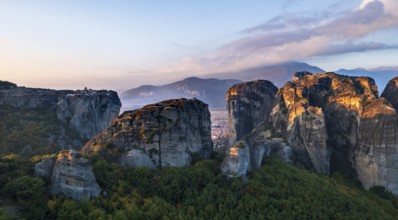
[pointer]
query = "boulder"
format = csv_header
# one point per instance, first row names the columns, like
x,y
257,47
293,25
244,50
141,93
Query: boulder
x,y
73,176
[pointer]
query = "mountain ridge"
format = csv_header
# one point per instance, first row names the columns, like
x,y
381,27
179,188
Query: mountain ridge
x,y
210,90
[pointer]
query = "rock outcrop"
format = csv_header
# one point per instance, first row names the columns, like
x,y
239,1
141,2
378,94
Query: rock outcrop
x,y
248,154
44,168
376,158
88,111
338,123
391,92
42,118
248,104
137,158
168,132
73,176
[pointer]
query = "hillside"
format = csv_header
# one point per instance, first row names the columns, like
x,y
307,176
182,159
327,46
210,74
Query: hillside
x,y
276,191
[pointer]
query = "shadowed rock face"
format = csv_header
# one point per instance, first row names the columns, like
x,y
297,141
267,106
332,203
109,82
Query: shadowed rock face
x,y
338,123
44,169
248,104
391,92
66,118
88,111
72,176
248,153
169,133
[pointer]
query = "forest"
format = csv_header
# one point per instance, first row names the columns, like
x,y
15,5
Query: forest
x,y
276,191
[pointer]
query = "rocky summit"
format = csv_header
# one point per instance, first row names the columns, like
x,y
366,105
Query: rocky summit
x,y
168,133
338,123
248,104
44,120
331,123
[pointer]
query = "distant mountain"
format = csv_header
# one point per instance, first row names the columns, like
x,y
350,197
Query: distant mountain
x,y
278,73
211,91
380,74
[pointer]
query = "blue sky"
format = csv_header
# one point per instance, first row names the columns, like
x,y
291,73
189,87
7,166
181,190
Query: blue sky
x,y
123,44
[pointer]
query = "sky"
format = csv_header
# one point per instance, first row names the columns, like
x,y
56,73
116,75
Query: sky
x,y
118,45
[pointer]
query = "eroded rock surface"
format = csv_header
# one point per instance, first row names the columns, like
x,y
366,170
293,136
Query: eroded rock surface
x,y
338,123
391,92
248,154
248,104
73,176
41,118
88,111
168,132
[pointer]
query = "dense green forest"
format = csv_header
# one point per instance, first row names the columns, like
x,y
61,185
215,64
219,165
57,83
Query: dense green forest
x,y
276,191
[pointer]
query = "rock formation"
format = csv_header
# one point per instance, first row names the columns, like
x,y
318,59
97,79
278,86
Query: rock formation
x,y
249,153
391,92
73,176
168,132
41,118
338,123
376,158
248,104
88,111
44,168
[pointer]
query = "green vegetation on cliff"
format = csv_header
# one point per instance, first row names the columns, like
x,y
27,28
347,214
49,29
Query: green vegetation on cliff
x,y
276,191
27,129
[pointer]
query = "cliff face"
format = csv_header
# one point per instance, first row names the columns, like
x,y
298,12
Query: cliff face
x,y
88,111
391,92
73,176
376,158
338,123
168,132
43,120
248,104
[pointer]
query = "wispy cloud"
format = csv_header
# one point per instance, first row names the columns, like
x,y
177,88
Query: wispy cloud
x,y
298,36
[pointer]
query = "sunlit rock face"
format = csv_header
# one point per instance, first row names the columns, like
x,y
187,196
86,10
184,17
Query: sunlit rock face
x,y
338,123
319,114
72,176
248,105
376,158
170,133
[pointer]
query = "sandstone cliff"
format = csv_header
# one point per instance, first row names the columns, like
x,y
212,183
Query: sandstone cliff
x,y
248,104
73,176
44,120
170,133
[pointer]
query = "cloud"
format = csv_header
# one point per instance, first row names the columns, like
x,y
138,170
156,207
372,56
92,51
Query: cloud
x,y
300,36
